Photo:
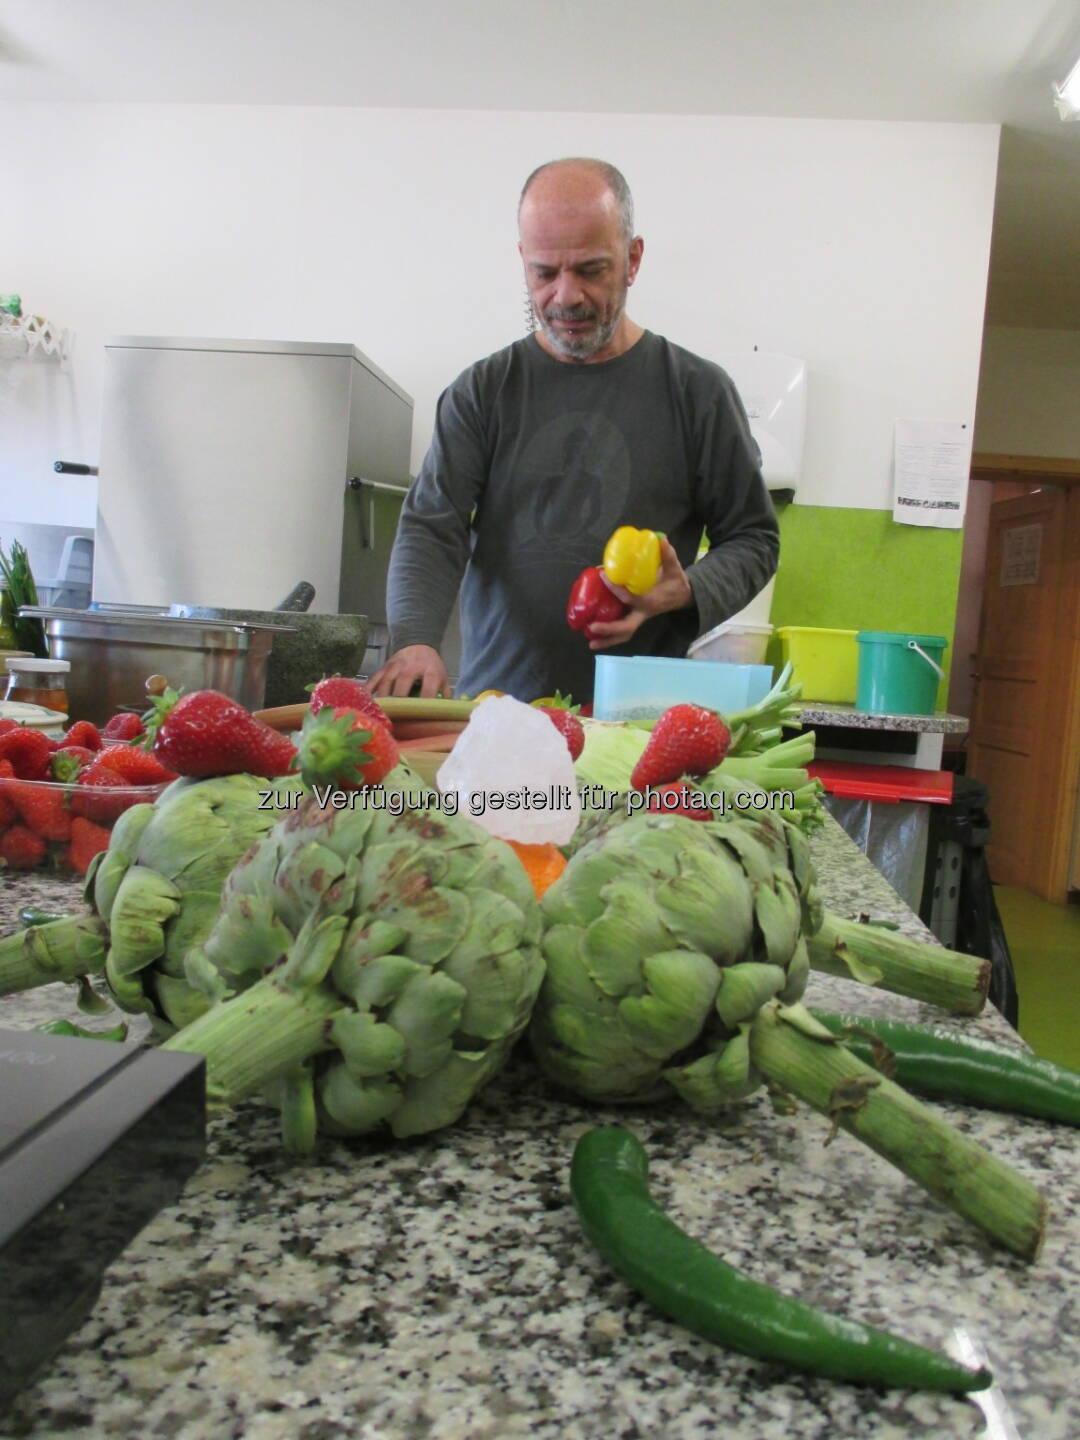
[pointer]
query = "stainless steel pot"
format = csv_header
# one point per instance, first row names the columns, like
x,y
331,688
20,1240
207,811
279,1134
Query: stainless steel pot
x,y
113,652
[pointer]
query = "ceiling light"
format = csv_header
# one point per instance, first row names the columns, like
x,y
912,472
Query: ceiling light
x,y
1067,95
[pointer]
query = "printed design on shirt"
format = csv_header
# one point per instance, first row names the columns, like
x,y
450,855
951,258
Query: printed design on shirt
x,y
570,484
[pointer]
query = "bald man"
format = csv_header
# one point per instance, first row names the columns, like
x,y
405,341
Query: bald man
x,y
541,450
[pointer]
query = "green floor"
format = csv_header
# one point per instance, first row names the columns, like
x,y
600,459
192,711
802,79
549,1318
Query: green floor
x,y
1044,942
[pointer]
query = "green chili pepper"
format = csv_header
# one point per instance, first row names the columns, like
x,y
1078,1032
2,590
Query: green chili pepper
x,y
32,915
78,1032
609,1184
933,1061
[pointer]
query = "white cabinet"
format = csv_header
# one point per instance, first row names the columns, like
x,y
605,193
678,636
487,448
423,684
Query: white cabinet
x,y
225,474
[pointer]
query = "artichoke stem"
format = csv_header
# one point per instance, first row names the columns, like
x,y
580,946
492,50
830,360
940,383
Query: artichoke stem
x,y
920,971
61,950
251,1038
912,1137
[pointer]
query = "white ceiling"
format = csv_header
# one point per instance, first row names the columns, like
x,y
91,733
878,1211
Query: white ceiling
x,y
937,60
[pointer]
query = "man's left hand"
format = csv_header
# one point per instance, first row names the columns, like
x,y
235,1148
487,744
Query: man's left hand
x,y
671,592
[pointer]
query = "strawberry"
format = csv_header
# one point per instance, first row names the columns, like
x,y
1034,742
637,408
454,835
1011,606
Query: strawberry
x,y
269,752
8,813
686,740
82,733
87,840
29,752
21,849
135,765
44,808
91,798
125,725
207,733
343,748
66,762
6,726
676,798
339,692
569,726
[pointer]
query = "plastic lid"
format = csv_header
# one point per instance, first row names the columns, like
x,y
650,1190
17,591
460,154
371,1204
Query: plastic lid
x,y
648,662
35,717
44,667
899,637
731,627
810,630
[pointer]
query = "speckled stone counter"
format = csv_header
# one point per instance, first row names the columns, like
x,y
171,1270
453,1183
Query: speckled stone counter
x,y
440,1289
821,712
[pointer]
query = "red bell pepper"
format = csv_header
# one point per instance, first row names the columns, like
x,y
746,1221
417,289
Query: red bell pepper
x,y
591,601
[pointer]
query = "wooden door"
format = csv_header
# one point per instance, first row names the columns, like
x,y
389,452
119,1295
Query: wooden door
x,y
1025,731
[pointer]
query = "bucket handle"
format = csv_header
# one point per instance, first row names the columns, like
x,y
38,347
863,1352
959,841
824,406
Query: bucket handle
x,y
914,645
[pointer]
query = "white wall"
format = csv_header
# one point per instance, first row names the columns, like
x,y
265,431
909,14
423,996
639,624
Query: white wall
x,y
862,247
1029,392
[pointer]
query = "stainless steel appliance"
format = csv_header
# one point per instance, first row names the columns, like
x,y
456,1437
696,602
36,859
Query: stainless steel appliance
x,y
229,467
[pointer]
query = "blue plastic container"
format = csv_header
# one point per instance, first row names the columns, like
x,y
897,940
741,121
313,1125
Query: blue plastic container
x,y
640,687
898,673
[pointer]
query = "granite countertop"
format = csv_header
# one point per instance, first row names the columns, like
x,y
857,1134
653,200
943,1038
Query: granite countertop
x,y
440,1288
822,712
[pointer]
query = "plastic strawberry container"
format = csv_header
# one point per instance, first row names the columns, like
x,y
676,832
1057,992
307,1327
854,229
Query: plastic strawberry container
x,y
57,828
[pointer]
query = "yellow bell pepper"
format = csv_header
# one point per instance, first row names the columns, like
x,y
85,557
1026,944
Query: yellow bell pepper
x,y
632,558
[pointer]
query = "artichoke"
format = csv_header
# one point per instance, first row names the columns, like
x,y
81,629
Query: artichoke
x,y
850,949
675,962
368,969
155,893
662,943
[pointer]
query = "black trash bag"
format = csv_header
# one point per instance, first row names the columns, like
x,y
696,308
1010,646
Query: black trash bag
x,y
979,930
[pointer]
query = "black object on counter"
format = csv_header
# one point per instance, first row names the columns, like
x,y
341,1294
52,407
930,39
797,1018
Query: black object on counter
x,y
963,827
95,1139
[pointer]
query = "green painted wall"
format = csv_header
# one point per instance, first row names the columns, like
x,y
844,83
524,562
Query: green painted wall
x,y
859,570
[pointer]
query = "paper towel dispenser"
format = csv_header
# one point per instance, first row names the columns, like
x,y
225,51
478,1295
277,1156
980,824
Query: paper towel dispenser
x,y
773,390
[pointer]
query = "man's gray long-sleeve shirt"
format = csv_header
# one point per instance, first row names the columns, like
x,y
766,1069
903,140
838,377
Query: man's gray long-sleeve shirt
x,y
533,463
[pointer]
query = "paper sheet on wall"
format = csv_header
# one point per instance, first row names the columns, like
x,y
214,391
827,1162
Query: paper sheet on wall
x,y
931,463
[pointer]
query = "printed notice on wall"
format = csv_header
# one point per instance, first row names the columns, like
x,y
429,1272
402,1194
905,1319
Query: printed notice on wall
x,y
1021,549
931,464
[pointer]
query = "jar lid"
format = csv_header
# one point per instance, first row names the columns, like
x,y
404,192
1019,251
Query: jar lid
x,y
44,667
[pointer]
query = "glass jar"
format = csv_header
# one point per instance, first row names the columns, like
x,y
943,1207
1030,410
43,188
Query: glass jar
x,y
38,682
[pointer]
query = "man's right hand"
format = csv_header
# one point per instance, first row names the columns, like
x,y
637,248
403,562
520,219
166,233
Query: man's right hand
x,y
406,667
671,591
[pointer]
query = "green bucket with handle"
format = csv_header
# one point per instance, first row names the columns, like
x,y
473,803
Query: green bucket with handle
x,y
898,673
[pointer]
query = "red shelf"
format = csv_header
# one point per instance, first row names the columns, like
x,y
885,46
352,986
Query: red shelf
x,y
856,781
